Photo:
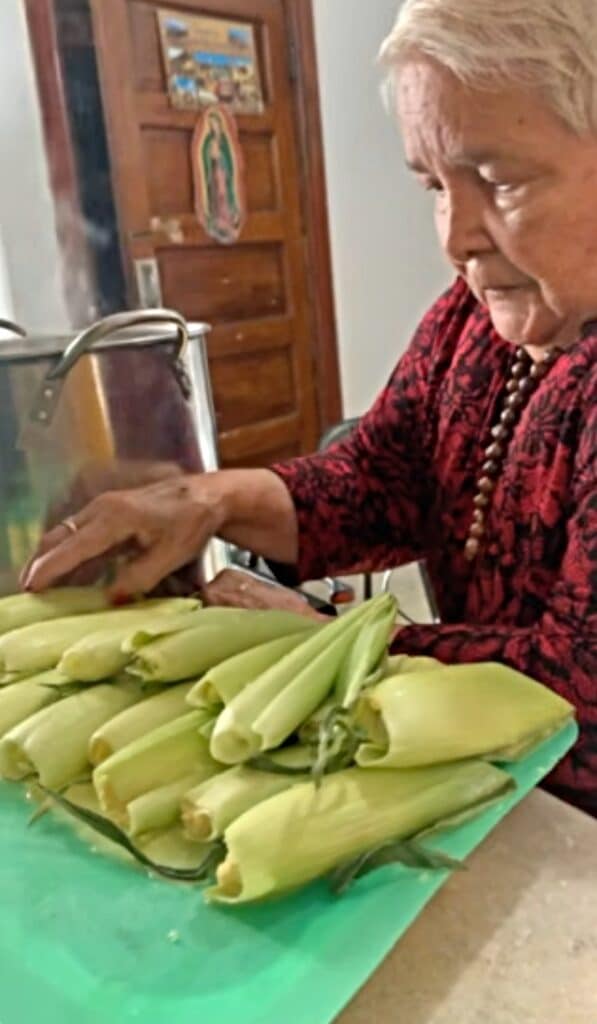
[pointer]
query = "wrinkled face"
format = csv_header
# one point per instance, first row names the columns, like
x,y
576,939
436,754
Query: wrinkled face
x,y
515,197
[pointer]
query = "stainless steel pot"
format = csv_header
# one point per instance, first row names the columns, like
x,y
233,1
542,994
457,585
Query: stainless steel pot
x,y
126,402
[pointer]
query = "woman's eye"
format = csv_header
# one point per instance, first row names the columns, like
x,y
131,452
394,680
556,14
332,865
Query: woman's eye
x,y
433,186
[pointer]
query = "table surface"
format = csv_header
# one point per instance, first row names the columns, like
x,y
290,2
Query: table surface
x,y
513,940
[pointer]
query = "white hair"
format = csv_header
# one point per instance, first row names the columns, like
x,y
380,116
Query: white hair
x,y
546,45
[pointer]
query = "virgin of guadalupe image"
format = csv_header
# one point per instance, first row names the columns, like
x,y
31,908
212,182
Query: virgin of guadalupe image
x,y
219,193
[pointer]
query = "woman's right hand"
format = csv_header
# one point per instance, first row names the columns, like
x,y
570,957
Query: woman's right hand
x,y
156,530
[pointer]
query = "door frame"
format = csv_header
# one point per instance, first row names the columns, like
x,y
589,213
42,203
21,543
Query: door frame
x,y
303,63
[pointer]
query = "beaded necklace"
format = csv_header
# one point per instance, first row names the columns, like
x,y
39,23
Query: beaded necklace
x,y
524,378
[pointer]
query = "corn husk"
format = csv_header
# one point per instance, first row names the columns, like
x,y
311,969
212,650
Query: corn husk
x,y
309,732
225,681
208,809
401,664
20,610
164,755
83,795
369,651
150,631
136,722
21,700
8,678
224,633
160,808
272,707
104,654
40,646
461,711
304,832
172,849
53,742
167,847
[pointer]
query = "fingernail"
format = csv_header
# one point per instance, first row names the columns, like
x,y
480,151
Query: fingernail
x,y
118,598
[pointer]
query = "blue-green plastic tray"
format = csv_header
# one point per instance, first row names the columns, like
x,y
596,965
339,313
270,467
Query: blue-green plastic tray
x,y
86,939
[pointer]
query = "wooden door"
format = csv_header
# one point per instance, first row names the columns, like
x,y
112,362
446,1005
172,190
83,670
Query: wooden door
x,y
255,293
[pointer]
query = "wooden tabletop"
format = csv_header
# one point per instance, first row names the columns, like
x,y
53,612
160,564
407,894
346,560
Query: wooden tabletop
x,y
513,940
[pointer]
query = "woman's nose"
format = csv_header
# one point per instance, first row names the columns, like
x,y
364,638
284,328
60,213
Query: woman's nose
x,y
461,225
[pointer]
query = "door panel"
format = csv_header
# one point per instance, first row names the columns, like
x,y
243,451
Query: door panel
x,y
169,176
239,403
256,292
223,284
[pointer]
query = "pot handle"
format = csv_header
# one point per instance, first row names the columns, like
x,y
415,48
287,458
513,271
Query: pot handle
x,y
47,400
8,325
111,325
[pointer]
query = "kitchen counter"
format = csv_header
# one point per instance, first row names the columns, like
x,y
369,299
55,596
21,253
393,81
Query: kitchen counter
x,y
513,940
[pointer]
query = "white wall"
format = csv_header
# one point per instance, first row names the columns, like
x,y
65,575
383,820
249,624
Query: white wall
x,y
387,266
6,303
26,209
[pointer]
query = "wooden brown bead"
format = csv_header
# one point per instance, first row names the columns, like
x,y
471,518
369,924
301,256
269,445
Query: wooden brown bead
x,y
520,370
479,515
512,386
472,549
500,433
491,468
515,401
481,501
526,386
538,371
522,355
477,531
508,418
486,486
495,451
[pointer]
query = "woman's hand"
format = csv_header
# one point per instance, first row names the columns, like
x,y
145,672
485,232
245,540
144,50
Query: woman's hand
x,y
152,532
156,530
237,589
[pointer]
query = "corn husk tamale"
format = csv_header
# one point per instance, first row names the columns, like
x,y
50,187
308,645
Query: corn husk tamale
x,y
401,664
20,610
304,832
225,681
223,633
104,654
482,710
271,708
21,700
208,809
172,849
53,743
369,652
136,722
159,808
40,646
164,755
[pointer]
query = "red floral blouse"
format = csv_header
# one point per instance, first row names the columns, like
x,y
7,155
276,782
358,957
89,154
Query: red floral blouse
x,y
402,487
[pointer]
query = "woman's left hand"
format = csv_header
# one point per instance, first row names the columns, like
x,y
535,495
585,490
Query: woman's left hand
x,y
236,589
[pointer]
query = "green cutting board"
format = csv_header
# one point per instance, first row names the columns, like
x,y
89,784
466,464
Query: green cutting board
x,y
89,940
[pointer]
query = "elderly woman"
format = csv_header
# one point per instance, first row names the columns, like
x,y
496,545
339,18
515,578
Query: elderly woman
x,y
480,454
